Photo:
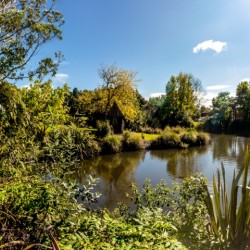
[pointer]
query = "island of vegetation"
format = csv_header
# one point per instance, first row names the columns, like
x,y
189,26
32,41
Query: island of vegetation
x,y
45,131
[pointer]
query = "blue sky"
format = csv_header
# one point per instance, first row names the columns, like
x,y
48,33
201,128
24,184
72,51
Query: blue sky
x,y
157,38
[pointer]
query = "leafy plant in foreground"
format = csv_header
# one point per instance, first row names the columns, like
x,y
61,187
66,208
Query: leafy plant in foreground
x,y
230,213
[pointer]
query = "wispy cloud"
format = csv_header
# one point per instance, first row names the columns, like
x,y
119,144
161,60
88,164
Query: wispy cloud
x,y
157,94
217,46
217,87
61,77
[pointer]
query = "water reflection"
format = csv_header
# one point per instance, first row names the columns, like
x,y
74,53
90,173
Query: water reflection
x,y
227,148
180,163
117,172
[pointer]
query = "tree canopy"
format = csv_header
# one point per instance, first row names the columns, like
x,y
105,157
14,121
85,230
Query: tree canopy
x,y
243,98
118,86
182,99
24,27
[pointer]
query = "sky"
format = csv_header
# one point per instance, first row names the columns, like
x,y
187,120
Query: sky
x,y
157,39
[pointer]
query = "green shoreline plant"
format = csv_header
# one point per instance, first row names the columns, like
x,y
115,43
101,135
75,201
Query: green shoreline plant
x,y
178,137
229,213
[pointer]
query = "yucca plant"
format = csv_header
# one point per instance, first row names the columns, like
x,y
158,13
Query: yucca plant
x,y
230,213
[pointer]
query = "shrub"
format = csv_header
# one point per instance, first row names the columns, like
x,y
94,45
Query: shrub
x,y
178,137
189,138
203,139
103,129
111,144
70,142
183,206
131,142
167,141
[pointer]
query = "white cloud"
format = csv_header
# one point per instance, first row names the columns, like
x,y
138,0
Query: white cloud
x,y
157,94
61,77
217,46
217,87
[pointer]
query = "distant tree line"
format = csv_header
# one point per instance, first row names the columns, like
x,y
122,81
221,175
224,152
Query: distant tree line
x,y
230,114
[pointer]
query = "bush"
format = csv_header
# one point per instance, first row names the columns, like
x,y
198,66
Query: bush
x,y
131,142
179,137
111,144
167,141
70,142
189,138
184,120
103,129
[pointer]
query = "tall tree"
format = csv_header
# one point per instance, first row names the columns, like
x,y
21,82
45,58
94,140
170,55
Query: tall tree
x,y
118,85
26,25
223,108
182,99
243,99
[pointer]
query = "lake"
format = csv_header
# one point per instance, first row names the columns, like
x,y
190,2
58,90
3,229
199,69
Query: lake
x,y
117,172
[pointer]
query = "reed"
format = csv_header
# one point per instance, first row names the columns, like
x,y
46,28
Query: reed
x,y
230,213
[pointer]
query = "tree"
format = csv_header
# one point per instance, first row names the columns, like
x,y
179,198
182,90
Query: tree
x,y
12,108
182,100
118,85
45,106
153,111
223,109
26,25
243,99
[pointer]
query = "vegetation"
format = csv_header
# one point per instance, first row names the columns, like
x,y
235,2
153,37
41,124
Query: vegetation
x,y
230,114
230,219
179,138
25,27
45,131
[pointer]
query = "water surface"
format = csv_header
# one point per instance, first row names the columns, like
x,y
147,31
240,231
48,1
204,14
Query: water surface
x,y
117,172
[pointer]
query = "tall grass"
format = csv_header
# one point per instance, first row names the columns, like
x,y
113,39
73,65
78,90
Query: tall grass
x,y
179,137
131,141
230,215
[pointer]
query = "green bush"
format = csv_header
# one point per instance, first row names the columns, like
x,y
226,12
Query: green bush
x,y
167,141
178,137
131,142
203,139
111,144
190,138
103,129
183,206
70,142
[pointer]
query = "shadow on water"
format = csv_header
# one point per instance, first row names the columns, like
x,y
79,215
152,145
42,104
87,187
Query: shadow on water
x,y
117,172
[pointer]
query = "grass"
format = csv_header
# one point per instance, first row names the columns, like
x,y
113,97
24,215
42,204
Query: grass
x,y
148,137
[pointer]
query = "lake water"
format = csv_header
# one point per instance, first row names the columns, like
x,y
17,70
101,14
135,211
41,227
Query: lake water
x,y
117,172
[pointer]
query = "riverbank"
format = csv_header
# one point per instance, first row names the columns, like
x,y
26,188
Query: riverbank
x,y
169,138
